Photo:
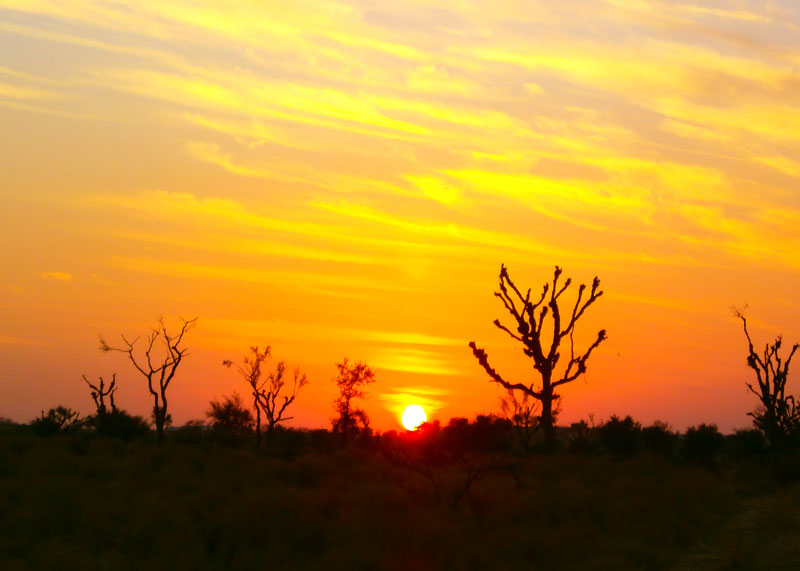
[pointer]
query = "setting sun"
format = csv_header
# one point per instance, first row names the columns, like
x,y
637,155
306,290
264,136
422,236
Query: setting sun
x,y
413,416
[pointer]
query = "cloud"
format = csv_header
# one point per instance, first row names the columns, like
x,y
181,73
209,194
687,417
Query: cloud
x,y
56,276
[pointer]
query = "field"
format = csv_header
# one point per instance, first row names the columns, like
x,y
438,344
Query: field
x,y
78,502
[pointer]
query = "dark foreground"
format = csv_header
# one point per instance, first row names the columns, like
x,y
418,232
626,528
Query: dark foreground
x,y
82,503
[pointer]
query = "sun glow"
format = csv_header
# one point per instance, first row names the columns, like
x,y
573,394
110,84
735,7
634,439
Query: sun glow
x,y
413,416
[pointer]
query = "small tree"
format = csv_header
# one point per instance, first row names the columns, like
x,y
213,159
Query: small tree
x,y
522,411
57,420
229,417
778,416
100,392
159,371
269,398
250,370
267,393
542,344
351,382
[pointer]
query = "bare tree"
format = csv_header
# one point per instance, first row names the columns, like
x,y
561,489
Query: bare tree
x,y
779,416
100,392
269,398
250,370
158,370
529,329
351,382
267,392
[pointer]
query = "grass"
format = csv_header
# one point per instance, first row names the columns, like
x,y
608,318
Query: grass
x,y
74,502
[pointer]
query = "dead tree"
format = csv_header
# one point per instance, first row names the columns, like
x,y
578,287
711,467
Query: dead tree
x,y
542,344
779,416
251,371
158,370
267,392
100,392
522,412
269,398
351,382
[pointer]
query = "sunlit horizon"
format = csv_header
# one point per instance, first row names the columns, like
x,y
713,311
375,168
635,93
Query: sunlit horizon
x,y
344,179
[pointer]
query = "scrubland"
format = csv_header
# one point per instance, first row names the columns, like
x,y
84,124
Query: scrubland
x,y
78,501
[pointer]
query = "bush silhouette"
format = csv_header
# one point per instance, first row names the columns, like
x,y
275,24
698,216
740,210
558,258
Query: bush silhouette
x,y
230,420
57,420
620,437
702,444
119,424
660,439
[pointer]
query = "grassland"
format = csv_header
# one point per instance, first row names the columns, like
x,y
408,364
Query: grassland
x,y
78,502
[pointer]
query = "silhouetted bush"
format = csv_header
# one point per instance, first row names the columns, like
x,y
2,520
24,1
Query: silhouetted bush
x,y
230,420
581,437
747,444
57,420
620,437
702,444
660,439
119,424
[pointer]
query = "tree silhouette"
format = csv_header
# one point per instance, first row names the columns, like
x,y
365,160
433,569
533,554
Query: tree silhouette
x,y
269,398
267,393
250,371
351,382
159,371
229,417
779,416
100,392
529,329
57,420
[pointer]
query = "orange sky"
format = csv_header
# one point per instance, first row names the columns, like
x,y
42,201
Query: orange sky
x,y
345,178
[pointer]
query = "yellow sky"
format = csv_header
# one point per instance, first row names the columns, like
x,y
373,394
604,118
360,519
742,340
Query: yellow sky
x,y
344,179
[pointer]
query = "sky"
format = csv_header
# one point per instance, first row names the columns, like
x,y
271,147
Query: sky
x,y
344,179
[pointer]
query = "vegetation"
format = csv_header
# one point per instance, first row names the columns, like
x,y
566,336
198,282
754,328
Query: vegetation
x,y
229,418
351,382
453,496
543,344
159,372
469,494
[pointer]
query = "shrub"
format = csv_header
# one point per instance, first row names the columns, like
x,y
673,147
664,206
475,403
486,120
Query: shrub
x,y
620,437
119,424
702,444
659,438
229,418
57,420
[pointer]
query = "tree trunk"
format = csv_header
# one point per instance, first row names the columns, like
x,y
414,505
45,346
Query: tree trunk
x,y
258,425
547,416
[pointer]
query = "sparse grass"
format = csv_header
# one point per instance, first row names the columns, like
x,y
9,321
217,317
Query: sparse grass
x,y
70,502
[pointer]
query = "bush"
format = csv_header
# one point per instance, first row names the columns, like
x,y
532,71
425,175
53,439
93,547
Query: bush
x,y
746,444
230,420
620,437
702,444
119,424
57,420
659,438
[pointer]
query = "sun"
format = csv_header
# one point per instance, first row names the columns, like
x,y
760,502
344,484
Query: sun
x,y
413,416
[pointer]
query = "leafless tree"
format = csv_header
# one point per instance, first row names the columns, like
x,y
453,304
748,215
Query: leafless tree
x,y
350,382
529,329
159,370
268,397
779,415
272,402
250,370
100,392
